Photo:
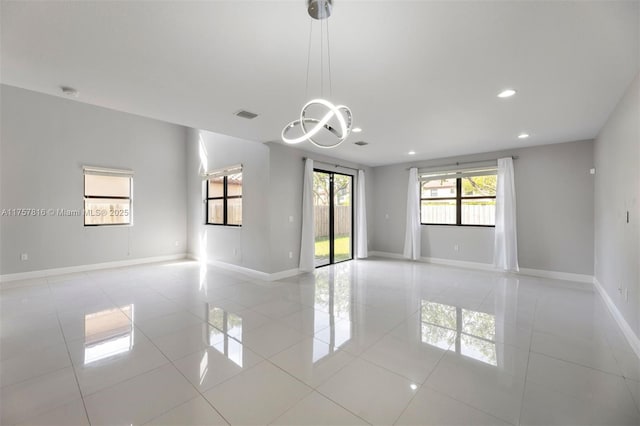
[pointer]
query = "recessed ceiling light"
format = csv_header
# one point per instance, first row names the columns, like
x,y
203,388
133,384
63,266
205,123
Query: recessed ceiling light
x,y
413,386
507,93
356,130
412,153
523,135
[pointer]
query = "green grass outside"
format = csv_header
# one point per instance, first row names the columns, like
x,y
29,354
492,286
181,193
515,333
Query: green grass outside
x,y
342,248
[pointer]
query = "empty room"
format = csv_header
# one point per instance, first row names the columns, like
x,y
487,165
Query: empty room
x,y
320,212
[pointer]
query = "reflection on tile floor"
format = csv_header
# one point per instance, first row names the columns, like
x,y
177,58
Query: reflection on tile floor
x,y
362,342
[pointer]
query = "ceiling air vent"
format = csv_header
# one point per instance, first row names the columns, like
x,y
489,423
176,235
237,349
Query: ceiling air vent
x,y
246,114
361,143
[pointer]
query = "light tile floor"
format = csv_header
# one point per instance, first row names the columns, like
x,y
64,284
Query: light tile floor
x,y
363,342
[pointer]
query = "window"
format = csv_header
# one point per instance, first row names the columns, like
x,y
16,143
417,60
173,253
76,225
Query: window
x,y
224,199
459,198
107,196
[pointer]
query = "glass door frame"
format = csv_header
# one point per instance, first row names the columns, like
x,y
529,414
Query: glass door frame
x,y
332,216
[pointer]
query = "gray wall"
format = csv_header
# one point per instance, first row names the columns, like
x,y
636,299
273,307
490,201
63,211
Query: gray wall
x,y
554,192
617,190
285,199
44,142
272,193
248,245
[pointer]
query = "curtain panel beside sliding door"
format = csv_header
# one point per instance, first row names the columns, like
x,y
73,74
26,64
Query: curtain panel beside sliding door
x,y
505,252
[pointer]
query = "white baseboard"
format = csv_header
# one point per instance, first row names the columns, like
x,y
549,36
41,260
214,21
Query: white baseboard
x,y
284,274
439,261
459,263
626,329
264,276
566,276
556,275
84,268
387,254
631,337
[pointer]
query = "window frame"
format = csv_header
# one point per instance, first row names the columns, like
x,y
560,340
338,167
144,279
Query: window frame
x,y
459,198
106,172
225,197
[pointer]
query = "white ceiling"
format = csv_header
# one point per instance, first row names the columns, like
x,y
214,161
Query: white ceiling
x,y
418,75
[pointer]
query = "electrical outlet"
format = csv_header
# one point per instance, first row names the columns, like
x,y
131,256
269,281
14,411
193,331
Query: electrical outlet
x,y
456,248
290,255
290,219
24,256
176,243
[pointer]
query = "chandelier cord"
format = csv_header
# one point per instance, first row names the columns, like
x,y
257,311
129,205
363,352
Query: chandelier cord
x,y
306,90
322,57
337,119
329,60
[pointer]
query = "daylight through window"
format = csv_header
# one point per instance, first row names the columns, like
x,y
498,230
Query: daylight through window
x,y
107,196
224,198
459,198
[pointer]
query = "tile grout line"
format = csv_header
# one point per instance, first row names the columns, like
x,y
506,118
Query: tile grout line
x,y
75,375
422,386
315,389
293,377
170,362
482,410
183,305
387,333
618,361
469,405
580,398
526,371
176,368
637,403
577,363
263,359
568,394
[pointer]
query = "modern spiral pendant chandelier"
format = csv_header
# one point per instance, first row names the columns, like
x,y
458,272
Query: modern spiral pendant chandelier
x,y
321,122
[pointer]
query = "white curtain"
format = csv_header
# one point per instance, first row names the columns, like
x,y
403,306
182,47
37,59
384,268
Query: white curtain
x,y
412,232
361,219
505,251
307,241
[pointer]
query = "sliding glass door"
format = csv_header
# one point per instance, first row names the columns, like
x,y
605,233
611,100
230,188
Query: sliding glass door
x,y
333,210
342,217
